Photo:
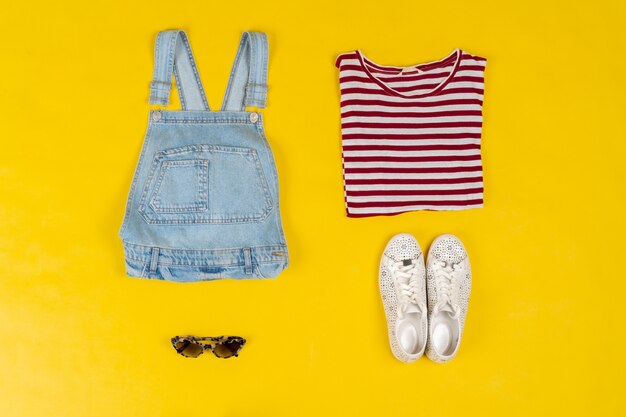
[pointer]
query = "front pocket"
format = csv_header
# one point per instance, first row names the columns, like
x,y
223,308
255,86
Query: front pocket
x,y
181,187
206,184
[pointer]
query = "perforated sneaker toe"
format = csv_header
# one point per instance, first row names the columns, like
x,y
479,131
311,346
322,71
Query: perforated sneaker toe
x,y
403,290
449,282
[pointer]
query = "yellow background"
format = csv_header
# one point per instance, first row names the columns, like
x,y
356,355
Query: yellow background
x,y
545,329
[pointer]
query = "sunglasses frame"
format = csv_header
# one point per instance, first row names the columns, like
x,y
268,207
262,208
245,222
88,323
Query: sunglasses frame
x,y
207,343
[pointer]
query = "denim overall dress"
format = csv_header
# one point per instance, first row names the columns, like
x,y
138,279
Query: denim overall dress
x,y
203,203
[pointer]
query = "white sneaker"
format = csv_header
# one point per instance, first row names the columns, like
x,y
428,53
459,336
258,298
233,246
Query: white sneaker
x,y
449,284
403,290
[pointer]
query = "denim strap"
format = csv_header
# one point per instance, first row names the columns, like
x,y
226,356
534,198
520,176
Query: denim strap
x,y
247,85
173,54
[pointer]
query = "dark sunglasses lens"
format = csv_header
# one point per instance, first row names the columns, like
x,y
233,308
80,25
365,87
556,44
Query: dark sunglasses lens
x,y
189,349
222,351
228,349
235,345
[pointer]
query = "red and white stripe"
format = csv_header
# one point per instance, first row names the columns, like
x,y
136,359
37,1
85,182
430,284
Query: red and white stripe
x,y
411,136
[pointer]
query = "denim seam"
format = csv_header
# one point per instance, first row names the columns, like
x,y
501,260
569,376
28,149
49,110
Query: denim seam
x,y
148,182
181,89
133,187
155,96
219,220
170,62
148,261
232,249
230,78
205,121
200,148
196,74
237,264
268,195
278,220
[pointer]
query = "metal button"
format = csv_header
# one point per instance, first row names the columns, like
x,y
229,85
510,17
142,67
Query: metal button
x,y
254,117
156,115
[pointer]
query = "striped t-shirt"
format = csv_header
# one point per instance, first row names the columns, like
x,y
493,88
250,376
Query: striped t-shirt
x,y
411,136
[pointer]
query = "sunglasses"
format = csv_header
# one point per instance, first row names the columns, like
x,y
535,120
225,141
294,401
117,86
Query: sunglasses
x,y
221,346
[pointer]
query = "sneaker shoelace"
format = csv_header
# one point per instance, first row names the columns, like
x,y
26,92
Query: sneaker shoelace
x,y
446,276
408,286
